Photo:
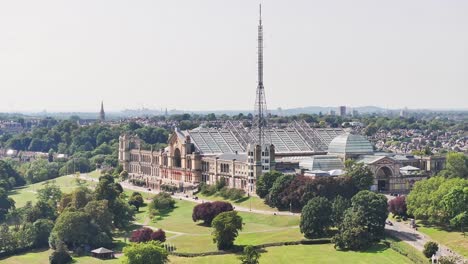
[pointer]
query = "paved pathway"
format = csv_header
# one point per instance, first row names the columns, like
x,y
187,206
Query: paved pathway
x,y
403,231
399,229
180,196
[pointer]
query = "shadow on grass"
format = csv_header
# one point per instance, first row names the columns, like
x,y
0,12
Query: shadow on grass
x,y
437,227
162,214
243,199
36,250
201,224
379,248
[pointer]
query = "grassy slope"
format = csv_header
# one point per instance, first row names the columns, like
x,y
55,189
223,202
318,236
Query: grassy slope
x,y
257,228
197,238
246,202
286,254
451,239
42,257
307,254
28,193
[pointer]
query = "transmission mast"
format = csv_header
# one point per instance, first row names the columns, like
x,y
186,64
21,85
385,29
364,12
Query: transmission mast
x,y
260,101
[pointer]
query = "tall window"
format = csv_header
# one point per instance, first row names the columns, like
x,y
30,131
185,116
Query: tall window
x,y
177,158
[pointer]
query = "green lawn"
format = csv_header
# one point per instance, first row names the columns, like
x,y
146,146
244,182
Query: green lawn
x,y
27,193
42,257
94,174
189,236
194,237
411,252
307,254
452,239
246,202
286,254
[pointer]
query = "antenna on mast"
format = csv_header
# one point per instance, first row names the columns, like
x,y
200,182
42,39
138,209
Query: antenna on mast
x,y
260,102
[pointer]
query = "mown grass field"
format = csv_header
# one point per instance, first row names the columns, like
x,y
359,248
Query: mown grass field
x,y
246,202
452,239
286,254
194,237
189,236
27,193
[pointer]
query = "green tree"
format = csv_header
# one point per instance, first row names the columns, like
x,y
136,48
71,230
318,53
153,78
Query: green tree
x,y
123,213
265,182
123,175
107,189
352,233
73,229
150,252
100,214
364,221
60,255
226,227
50,192
281,183
362,176
456,165
339,206
315,217
433,199
250,255
6,204
42,229
430,248
136,200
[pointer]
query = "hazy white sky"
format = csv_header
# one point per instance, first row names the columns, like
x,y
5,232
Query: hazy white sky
x,y
198,55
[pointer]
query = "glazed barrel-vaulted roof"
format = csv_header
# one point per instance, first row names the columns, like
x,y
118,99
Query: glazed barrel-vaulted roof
x,y
322,162
296,138
350,144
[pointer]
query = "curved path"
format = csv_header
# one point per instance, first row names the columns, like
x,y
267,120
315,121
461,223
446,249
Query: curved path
x,y
132,187
399,230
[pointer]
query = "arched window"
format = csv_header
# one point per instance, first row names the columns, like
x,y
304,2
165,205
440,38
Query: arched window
x,y
177,158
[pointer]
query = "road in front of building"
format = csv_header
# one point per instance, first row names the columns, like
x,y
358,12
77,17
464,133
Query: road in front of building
x,y
187,197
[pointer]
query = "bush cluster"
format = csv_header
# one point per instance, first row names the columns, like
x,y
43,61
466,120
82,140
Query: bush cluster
x,y
147,234
208,211
231,193
161,202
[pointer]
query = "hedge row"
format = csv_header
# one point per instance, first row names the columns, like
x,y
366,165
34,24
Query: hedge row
x,y
237,249
395,244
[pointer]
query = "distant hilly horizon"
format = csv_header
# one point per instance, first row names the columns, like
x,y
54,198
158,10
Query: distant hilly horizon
x,y
278,111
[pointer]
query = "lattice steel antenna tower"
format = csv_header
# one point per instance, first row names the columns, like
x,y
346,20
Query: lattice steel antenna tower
x,y
260,101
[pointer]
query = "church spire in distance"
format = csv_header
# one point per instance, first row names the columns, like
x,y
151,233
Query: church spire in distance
x,y
102,114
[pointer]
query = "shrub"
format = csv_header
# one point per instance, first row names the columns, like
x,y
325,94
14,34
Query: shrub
x,y
220,184
60,255
159,235
208,211
449,260
250,255
136,200
226,228
147,234
430,248
162,201
224,192
208,190
145,253
397,206
236,194
169,188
